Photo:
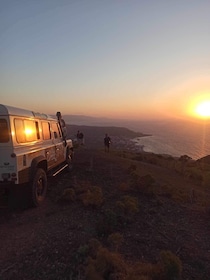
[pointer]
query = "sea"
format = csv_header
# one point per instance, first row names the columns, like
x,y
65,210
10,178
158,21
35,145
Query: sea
x,y
174,138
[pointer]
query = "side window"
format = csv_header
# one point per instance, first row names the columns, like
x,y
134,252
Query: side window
x,y
19,131
30,130
4,131
56,130
26,130
46,130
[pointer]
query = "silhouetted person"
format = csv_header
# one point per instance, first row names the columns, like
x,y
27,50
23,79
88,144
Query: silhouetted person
x,y
62,125
80,137
78,133
107,142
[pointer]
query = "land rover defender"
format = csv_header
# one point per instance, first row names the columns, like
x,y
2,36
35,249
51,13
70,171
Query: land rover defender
x,y
32,147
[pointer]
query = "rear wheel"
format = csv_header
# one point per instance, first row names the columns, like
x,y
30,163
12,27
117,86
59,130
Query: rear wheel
x,y
38,187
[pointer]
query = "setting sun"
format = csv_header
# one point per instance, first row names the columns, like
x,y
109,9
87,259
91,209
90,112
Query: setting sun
x,y
203,109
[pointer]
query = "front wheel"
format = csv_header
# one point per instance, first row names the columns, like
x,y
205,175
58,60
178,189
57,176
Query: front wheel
x,y
38,187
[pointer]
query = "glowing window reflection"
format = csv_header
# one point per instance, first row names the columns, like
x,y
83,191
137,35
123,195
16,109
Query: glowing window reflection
x,y
26,130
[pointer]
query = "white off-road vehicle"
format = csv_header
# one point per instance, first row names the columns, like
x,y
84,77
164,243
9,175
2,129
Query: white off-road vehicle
x,y
32,146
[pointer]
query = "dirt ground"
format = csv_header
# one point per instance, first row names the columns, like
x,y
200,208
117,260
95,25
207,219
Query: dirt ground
x,y
43,242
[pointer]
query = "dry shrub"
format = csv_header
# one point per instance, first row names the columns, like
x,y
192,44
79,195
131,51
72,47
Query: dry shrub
x,y
178,167
108,224
124,187
181,194
94,244
168,268
193,173
139,157
152,159
92,197
106,265
167,191
206,180
147,180
134,180
144,184
68,195
144,271
147,157
132,168
82,187
128,205
184,158
115,240
81,254
170,265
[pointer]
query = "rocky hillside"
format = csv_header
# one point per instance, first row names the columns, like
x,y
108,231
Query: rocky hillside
x,y
117,215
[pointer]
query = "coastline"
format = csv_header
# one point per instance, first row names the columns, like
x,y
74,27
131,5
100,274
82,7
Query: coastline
x,y
129,144
121,137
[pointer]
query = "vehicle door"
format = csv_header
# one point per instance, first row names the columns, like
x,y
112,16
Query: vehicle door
x,y
58,143
48,144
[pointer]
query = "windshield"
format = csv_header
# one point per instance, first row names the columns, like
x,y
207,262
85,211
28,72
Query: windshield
x,y
4,131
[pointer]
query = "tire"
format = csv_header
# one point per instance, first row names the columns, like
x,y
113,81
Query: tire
x,y
38,187
69,156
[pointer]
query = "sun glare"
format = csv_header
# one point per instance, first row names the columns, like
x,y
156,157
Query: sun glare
x,y
203,109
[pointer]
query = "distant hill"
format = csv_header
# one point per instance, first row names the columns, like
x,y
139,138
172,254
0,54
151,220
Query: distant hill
x,y
95,134
100,121
88,120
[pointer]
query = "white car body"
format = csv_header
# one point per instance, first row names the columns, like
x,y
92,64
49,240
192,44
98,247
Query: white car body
x,y
30,141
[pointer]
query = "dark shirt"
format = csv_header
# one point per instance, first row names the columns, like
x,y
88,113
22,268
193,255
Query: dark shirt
x,y
107,140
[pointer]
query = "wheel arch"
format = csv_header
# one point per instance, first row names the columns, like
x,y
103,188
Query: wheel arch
x,y
38,162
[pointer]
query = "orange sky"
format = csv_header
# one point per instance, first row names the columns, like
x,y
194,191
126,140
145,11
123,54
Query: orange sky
x,y
117,59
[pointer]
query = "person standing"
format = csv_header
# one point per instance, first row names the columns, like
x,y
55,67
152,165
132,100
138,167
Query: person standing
x,y
62,125
82,139
78,137
107,142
